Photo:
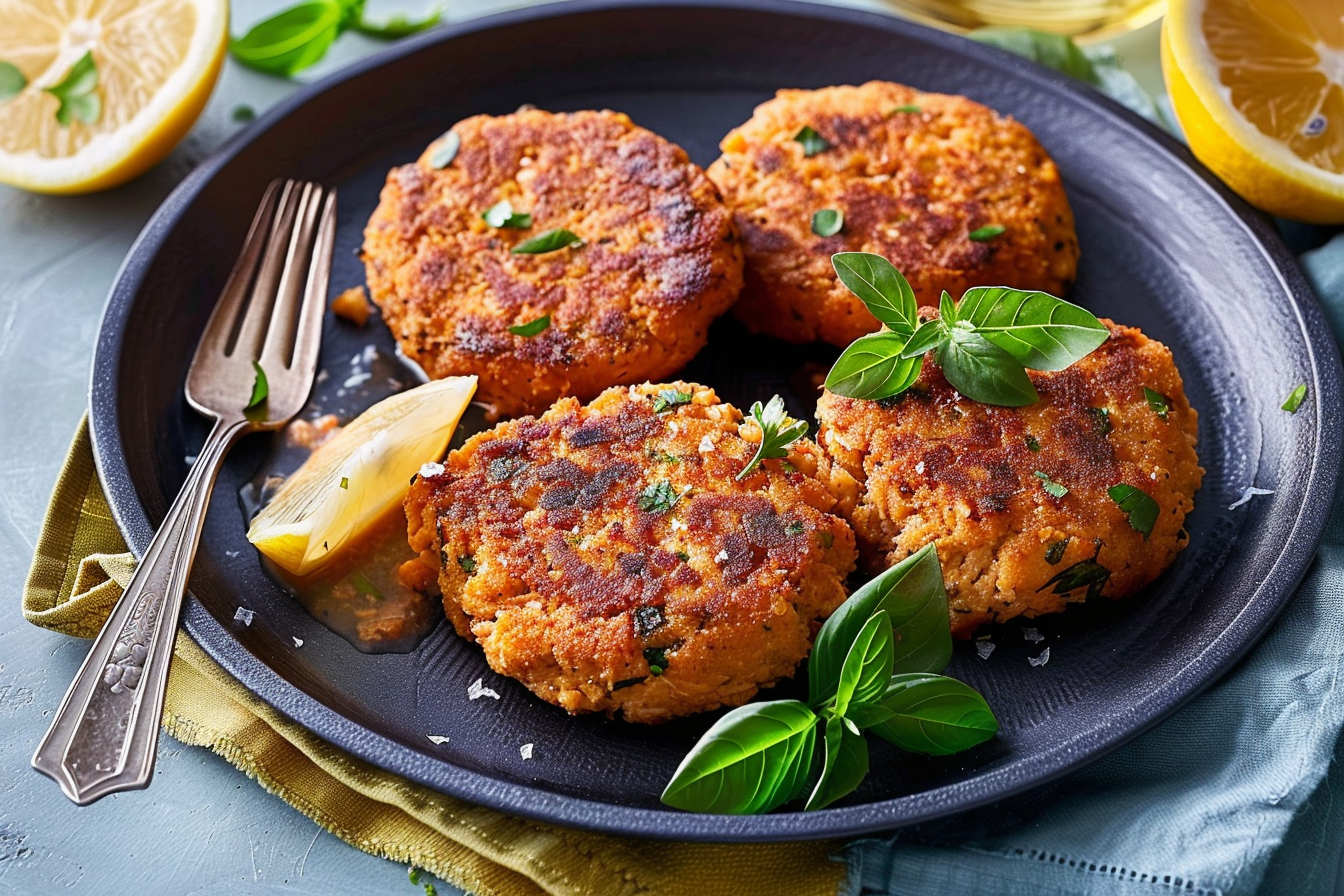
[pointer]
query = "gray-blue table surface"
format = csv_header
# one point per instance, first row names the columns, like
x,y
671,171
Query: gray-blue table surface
x,y
202,827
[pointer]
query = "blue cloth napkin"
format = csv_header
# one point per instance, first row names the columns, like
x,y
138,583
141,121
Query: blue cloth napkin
x,y
1235,794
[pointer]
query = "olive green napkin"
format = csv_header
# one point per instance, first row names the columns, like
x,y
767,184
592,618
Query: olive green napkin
x,y
78,571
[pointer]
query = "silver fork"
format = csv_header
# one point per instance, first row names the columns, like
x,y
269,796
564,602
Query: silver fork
x,y
103,737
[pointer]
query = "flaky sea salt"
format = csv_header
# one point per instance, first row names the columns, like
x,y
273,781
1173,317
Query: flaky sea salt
x,y
243,615
438,738
525,751
1248,494
721,556
984,648
478,690
706,444
357,379
298,642
430,469
678,526
1032,635
1040,660
919,468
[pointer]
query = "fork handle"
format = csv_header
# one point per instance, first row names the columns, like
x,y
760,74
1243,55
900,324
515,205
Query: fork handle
x,y
103,737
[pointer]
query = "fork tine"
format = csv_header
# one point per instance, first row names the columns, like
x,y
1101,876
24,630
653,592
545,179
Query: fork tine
x,y
278,350
255,319
308,337
216,337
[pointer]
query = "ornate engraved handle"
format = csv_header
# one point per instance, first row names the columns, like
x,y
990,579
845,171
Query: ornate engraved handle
x,y
104,735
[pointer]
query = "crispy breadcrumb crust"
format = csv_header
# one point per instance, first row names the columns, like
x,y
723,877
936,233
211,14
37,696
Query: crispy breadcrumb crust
x,y
912,186
660,258
930,465
546,557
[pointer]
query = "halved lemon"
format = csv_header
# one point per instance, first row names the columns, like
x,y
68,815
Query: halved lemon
x,y
156,63
1258,86
354,479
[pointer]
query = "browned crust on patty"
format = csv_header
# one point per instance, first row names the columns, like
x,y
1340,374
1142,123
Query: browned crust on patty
x,y
912,187
570,580
931,465
660,258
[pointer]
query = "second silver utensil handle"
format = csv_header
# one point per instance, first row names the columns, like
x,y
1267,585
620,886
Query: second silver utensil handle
x,y
104,735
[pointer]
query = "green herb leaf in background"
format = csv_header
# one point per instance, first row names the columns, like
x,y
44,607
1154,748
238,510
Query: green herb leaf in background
x,y
1040,331
927,338
812,142
78,93
1295,399
867,666
912,595
670,398
1138,505
501,215
1087,574
1158,403
261,388
550,241
845,765
748,761
882,289
659,497
291,40
778,432
986,233
243,113
827,221
874,367
983,372
12,80
935,715
397,26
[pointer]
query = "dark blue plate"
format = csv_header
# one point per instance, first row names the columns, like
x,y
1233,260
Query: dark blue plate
x,y
1165,247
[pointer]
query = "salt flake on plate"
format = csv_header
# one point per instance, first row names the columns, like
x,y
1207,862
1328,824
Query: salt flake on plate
x,y
1248,494
478,690
438,738
984,648
243,615
1040,660
525,751
298,642
1032,635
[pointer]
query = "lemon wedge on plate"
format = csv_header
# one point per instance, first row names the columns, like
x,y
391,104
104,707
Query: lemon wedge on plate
x,y
93,93
1258,86
355,478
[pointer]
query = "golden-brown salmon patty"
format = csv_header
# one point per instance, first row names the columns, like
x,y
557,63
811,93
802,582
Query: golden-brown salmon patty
x,y
930,465
606,556
918,178
659,259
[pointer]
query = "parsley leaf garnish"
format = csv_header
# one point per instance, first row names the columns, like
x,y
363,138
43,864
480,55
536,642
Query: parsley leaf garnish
x,y
659,497
260,388
1052,488
532,327
812,142
656,657
986,233
1087,574
778,432
1157,402
467,562
78,93
1294,399
1141,509
670,398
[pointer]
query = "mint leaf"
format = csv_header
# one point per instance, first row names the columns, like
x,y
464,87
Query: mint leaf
x,y
291,40
78,93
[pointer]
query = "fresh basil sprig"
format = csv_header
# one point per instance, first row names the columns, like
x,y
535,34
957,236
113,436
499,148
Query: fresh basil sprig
x,y
983,344
297,37
874,666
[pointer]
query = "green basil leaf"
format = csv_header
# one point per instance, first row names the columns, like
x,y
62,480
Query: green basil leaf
x,y
928,337
986,233
1158,403
446,150
983,372
501,215
11,80
1138,504
846,765
532,327
550,241
867,666
882,288
78,93
1037,329
1294,399
913,596
1055,51
866,715
827,221
873,368
947,310
813,142
261,388
748,761
291,40
936,715
398,26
